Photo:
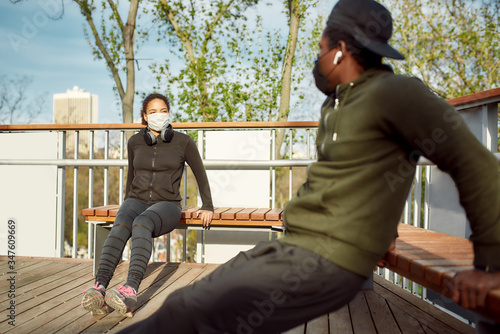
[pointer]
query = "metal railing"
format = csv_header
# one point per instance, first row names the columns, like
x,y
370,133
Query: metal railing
x,y
109,141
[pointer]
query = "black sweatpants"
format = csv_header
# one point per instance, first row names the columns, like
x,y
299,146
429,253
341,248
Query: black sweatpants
x,y
269,289
142,221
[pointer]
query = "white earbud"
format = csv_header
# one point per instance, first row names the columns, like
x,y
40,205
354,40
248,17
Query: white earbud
x,y
337,57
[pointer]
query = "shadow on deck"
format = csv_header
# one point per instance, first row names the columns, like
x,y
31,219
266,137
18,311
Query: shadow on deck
x,y
48,294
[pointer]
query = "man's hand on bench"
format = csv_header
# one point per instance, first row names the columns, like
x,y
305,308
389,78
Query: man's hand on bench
x,y
383,262
471,287
205,217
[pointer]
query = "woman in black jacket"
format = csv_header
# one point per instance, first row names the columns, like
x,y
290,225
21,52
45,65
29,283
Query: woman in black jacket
x,y
152,206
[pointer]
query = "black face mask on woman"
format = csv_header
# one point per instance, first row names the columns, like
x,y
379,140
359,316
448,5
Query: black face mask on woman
x,y
320,79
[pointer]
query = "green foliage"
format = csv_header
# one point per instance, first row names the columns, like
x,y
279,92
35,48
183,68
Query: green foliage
x,y
452,45
230,70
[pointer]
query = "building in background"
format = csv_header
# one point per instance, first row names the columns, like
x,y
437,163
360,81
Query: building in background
x,y
76,107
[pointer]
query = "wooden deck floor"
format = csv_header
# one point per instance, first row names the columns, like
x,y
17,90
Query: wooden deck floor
x,y
48,294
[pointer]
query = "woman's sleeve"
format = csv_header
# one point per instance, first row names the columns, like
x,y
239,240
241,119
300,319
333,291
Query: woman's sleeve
x,y
130,173
194,161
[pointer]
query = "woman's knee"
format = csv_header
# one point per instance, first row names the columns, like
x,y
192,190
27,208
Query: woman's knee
x,y
143,226
164,216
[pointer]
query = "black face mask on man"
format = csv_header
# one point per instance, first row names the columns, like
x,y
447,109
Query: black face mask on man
x,y
322,80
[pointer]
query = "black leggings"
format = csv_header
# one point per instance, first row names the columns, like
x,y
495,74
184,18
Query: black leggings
x,y
142,221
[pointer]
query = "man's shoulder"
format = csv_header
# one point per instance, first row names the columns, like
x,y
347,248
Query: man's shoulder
x,y
388,84
392,80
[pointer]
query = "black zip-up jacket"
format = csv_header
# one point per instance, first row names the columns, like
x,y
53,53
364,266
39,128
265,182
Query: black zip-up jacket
x,y
155,172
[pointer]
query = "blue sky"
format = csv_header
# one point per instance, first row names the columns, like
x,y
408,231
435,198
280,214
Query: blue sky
x,y
56,54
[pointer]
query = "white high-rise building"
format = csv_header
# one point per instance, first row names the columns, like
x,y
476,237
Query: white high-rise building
x,y
76,107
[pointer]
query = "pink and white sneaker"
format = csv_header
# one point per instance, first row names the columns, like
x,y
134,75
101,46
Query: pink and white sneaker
x,y
93,300
122,299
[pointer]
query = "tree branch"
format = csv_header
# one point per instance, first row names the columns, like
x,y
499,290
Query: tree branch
x,y
212,25
179,32
116,15
84,7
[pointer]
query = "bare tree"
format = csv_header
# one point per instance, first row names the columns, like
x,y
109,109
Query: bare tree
x,y
17,104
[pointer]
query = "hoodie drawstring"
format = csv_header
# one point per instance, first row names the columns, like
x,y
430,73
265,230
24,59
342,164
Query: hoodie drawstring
x,y
337,107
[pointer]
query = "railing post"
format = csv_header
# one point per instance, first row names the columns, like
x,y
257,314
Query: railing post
x,y
90,237
106,168
122,169
308,143
290,171
75,197
61,186
273,169
417,196
200,235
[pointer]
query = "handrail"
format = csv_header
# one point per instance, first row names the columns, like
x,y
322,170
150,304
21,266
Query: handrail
x,y
124,162
209,163
487,96
177,126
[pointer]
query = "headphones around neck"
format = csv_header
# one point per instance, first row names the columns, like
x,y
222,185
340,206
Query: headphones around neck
x,y
166,135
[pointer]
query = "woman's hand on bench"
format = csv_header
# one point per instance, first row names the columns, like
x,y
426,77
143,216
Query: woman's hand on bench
x,y
471,287
205,218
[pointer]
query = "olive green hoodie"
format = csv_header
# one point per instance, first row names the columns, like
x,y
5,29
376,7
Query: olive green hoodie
x,y
369,139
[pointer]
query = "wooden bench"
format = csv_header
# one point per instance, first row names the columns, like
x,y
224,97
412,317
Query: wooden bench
x,y
102,217
426,257
431,259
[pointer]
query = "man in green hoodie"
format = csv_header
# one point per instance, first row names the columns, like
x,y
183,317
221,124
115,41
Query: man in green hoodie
x,y
374,127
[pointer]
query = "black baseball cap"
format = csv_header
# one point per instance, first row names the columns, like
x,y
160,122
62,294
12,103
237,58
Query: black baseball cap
x,y
368,22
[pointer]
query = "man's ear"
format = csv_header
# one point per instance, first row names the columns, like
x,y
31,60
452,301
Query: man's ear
x,y
342,47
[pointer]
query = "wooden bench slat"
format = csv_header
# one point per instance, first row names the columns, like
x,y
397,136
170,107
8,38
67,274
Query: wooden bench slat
x,y
245,213
230,214
187,212
113,212
435,276
218,212
104,210
419,267
259,214
414,265
234,223
99,210
274,214
100,219
88,212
